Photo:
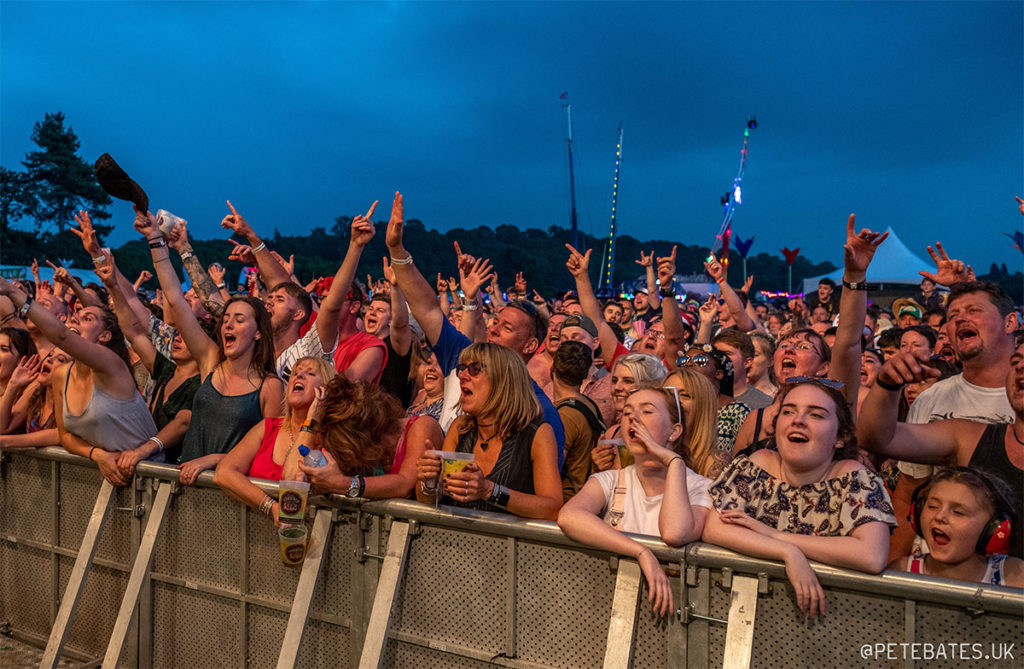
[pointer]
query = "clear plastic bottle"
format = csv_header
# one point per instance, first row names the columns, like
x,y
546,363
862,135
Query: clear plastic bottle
x,y
312,458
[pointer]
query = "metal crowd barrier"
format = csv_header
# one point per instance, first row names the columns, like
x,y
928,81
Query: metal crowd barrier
x,y
157,575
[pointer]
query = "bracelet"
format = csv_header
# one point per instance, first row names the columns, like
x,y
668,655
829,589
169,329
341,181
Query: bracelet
x,y
499,497
96,260
362,484
257,249
862,285
431,490
469,307
669,463
267,505
159,443
8,317
157,243
891,387
90,452
185,255
401,261
23,311
164,259
667,292
220,286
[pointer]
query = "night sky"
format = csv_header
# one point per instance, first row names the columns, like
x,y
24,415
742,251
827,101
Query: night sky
x,y
909,114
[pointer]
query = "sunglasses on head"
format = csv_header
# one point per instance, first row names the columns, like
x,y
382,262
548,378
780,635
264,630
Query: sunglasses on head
x,y
473,368
824,381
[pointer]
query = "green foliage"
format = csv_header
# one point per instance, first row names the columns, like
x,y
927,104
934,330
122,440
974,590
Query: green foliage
x,y
60,181
1013,283
15,196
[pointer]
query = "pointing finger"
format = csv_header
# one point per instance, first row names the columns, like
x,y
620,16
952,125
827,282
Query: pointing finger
x,y
373,207
234,212
850,227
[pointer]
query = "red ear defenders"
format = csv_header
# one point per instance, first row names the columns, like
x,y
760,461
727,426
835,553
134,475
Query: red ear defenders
x,y
995,536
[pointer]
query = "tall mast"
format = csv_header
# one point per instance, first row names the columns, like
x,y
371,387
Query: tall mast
x,y
609,277
572,175
731,199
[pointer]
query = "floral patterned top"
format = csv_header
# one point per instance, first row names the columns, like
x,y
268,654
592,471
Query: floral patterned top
x,y
829,508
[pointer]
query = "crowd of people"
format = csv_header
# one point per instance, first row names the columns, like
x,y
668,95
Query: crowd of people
x,y
825,428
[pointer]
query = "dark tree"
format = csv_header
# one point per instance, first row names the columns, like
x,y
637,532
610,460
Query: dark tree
x,y
15,196
60,180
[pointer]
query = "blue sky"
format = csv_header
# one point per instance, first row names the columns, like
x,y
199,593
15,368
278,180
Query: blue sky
x,y
909,114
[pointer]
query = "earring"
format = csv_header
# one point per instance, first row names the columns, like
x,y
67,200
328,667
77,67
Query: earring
x,y
257,335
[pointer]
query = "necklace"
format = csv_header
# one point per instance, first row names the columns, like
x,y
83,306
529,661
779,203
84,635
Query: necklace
x,y
484,441
1015,436
291,435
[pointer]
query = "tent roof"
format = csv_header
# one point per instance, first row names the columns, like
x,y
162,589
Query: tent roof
x,y
893,263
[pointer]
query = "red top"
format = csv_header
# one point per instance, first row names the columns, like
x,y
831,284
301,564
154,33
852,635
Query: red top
x,y
348,350
263,465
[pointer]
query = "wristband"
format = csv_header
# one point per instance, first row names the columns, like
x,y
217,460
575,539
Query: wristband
x,y
96,260
259,248
469,307
157,243
862,285
90,452
159,443
23,311
220,286
669,463
667,292
401,261
891,387
185,255
362,484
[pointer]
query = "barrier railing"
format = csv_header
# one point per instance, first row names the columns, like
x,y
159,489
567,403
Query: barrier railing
x,y
157,575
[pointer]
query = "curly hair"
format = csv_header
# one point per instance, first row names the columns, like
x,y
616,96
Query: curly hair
x,y
357,418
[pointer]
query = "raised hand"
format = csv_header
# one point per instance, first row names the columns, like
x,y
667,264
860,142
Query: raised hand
x,y
477,276
144,276
242,253
947,270
107,270
177,238
217,273
235,222
389,272
860,248
1020,204
578,263
520,284
748,283
709,309
442,284
26,372
86,233
645,260
147,225
34,268
362,227
667,268
714,268
396,225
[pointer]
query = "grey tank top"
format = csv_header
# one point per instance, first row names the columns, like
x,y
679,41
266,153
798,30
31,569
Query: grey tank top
x,y
219,421
110,423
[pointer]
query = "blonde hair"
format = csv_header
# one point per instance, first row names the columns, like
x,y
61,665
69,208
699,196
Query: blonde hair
x,y
511,399
327,371
647,369
700,422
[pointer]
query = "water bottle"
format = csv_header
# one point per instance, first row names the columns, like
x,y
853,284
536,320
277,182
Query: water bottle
x,y
312,458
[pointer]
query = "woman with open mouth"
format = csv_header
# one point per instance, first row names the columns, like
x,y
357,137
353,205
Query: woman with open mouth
x,y
516,457
240,386
633,499
630,372
810,499
429,398
964,516
33,404
264,450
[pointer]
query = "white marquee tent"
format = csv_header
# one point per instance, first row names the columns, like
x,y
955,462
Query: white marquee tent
x,y
893,263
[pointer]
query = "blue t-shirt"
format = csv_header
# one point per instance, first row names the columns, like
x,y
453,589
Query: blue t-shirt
x,y
447,348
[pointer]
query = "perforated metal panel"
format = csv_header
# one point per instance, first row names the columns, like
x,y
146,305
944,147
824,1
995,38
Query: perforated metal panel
x,y
407,656
651,646
79,487
26,506
334,591
97,608
26,585
785,637
194,629
944,625
323,645
563,599
200,541
462,575
719,608
268,577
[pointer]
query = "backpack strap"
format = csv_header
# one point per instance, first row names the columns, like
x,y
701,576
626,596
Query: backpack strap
x,y
618,500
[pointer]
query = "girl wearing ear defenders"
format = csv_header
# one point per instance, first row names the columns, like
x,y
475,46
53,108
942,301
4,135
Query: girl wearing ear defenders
x,y
965,516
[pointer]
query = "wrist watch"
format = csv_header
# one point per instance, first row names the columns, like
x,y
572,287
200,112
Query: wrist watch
x,y
355,488
861,285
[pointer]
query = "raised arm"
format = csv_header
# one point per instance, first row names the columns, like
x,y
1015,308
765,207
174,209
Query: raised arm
x,y
203,349
418,293
858,251
647,261
273,272
133,330
330,307
472,278
671,317
726,292
205,287
578,265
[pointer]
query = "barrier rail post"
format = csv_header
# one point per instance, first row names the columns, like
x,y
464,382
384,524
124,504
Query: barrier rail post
x,y
622,626
383,601
319,541
140,570
83,563
739,635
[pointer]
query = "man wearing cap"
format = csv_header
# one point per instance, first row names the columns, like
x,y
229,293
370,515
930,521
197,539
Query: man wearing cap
x,y
907,312
598,384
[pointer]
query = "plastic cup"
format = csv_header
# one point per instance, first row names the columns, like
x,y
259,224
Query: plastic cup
x,y
293,544
452,463
291,498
